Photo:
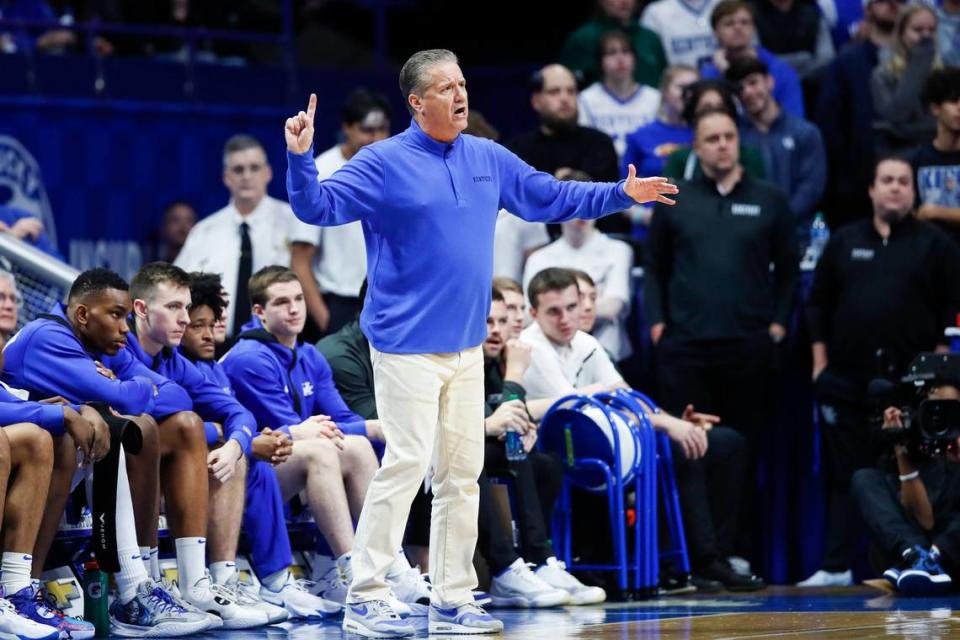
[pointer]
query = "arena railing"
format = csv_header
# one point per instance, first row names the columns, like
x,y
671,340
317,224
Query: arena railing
x,y
42,279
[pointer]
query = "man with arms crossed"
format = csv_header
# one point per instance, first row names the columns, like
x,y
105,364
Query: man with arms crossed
x,y
428,200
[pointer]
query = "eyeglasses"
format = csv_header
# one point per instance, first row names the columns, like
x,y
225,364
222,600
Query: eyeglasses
x,y
240,169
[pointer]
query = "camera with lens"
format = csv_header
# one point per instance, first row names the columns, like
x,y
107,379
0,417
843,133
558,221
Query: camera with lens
x,y
931,423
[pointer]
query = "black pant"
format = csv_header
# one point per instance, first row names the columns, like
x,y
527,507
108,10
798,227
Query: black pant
x,y
418,522
728,377
495,544
710,491
877,493
848,443
537,482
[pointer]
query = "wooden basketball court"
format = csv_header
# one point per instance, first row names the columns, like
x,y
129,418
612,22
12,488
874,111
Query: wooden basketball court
x,y
777,612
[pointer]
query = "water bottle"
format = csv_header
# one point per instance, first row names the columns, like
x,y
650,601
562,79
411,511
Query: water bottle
x,y
819,235
513,442
95,587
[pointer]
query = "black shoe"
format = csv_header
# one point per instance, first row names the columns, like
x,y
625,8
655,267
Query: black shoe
x,y
671,585
706,585
723,573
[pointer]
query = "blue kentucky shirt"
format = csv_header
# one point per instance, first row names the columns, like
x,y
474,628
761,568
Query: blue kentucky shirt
x,y
209,400
428,211
282,387
47,359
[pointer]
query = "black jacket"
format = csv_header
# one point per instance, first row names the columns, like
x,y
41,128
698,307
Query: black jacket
x,y
707,269
897,295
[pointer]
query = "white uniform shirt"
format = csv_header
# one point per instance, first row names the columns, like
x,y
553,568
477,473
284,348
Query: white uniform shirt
x,y
512,238
214,243
340,264
683,28
608,262
617,117
557,370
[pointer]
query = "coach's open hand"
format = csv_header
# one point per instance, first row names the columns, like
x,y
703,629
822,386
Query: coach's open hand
x,y
299,128
640,189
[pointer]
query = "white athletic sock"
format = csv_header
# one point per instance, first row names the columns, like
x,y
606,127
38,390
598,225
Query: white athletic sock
x,y
145,558
16,571
154,570
276,580
191,562
132,572
223,571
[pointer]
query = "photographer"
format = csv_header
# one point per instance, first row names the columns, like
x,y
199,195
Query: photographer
x,y
911,504
884,290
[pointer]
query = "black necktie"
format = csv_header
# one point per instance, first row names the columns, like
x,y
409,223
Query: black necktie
x,y
241,309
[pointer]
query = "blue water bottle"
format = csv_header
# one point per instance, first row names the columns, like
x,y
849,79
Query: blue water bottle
x,y
819,236
513,441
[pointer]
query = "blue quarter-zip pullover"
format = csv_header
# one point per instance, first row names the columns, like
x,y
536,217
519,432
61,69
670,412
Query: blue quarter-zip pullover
x,y
428,211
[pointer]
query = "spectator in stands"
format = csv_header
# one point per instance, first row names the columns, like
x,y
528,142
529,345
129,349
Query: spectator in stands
x,y
715,313
948,31
732,22
910,506
792,148
22,41
559,144
845,114
61,354
902,119
869,273
937,164
516,304
331,262
251,232
178,219
290,385
647,148
617,104
796,31
699,97
588,300
536,480
581,52
608,261
566,360
684,29
264,518
845,20
24,225
161,298
9,305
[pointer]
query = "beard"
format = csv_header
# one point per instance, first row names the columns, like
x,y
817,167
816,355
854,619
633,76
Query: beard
x,y
560,126
892,216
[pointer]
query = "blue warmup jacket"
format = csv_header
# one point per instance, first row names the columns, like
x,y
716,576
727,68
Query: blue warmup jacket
x,y
283,387
209,400
428,211
649,146
14,410
47,359
264,517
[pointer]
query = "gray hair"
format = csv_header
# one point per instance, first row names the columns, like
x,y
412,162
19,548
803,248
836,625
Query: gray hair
x,y
240,142
6,275
412,75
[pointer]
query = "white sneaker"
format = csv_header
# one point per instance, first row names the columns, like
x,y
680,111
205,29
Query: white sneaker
x,y
335,583
375,619
555,574
409,586
829,579
295,597
173,590
206,595
247,595
14,625
740,566
518,586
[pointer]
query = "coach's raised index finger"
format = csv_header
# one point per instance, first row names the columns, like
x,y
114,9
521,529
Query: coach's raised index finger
x,y
311,107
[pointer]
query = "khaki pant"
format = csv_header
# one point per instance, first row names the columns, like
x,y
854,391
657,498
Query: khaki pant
x,y
431,409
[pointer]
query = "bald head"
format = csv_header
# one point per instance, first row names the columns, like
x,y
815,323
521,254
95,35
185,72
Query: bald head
x,y
555,97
